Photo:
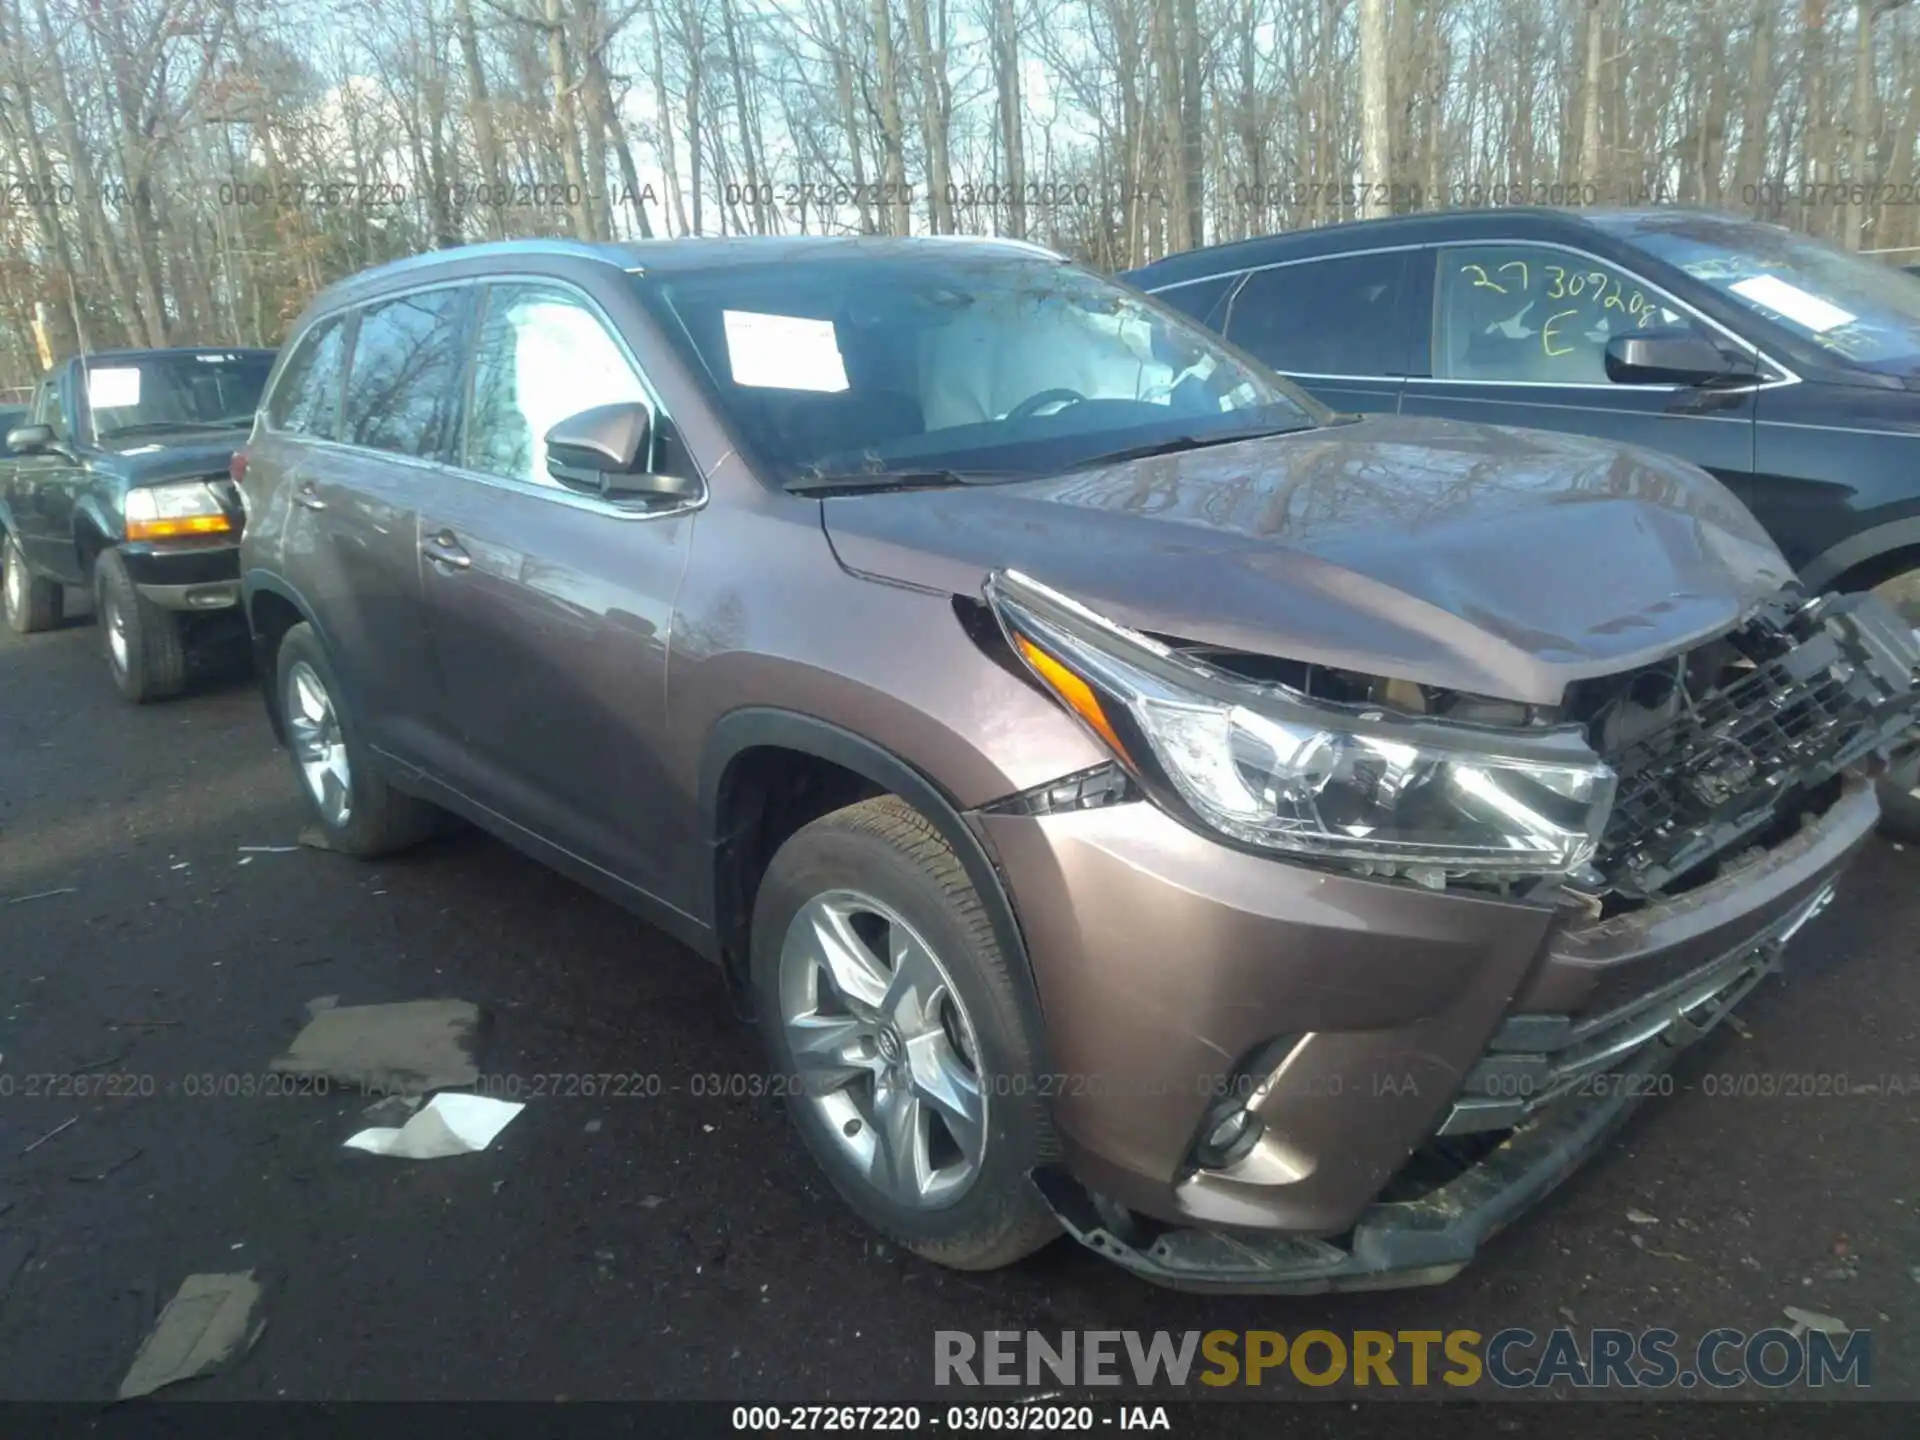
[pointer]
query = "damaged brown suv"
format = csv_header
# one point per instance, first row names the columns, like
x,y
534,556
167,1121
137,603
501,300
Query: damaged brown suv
x,y
1271,845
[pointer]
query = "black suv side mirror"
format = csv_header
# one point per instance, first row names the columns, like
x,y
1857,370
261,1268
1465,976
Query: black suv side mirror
x,y
600,451
30,439
1669,357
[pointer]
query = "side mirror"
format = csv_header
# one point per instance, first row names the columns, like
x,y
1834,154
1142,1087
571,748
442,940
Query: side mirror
x,y
1669,357
30,439
600,451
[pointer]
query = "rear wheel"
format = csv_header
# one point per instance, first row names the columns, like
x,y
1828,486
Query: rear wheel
x,y
883,994
145,649
354,806
32,603
1900,789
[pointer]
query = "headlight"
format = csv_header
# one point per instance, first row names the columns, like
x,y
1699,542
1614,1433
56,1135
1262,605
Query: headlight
x,y
171,511
1267,766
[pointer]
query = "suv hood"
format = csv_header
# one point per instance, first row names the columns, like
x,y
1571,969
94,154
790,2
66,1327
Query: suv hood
x,y
1502,562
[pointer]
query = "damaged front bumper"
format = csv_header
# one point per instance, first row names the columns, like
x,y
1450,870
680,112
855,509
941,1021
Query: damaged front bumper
x,y
1536,1046
1592,1075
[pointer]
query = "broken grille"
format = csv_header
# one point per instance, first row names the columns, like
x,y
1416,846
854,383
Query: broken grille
x,y
1802,693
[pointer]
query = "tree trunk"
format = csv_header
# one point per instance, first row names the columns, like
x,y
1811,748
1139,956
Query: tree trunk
x,y
1376,131
567,126
893,136
1750,167
480,111
1193,135
931,61
1591,162
737,79
1006,77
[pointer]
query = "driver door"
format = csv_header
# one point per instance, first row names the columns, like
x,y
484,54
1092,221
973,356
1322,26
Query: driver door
x,y
549,610
46,486
1519,335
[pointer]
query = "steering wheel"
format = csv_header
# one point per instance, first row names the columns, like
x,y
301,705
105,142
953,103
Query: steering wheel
x,y
1030,406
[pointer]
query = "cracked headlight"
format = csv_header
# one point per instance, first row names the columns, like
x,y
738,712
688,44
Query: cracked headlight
x,y
1268,767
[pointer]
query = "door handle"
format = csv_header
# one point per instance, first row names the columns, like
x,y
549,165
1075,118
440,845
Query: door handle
x,y
304,494
443,549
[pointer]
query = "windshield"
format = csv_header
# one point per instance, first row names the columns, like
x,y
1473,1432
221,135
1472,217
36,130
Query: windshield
x,y
184,390
1853,306
993,362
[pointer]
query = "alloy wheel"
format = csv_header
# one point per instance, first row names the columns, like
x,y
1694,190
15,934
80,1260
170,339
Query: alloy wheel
x,y
319,748
883,1049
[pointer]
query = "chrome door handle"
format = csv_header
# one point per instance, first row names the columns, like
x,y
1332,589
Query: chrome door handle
x,y
443,549
304,494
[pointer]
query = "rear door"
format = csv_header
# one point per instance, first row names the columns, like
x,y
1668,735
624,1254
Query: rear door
x,y
549,609
352,544
1518,336
1341,325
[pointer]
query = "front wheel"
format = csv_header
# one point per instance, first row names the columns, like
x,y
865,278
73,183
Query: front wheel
x,y
32,604
885,1000
145,649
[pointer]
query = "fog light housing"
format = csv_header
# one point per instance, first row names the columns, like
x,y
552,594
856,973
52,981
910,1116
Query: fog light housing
x,y
1226,1136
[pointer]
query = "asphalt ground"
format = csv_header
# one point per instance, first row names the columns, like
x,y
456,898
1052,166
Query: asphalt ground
x,y
675,1242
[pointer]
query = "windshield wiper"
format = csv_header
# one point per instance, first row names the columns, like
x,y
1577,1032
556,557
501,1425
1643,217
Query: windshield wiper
x,y
1175,444
866,482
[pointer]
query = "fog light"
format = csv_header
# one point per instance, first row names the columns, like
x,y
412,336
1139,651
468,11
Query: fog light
x,y
1229,1136
209,597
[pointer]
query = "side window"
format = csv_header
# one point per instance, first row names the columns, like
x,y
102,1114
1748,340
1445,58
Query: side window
x,y
540,356
48,409
1530,313
1202,299
403,385
1340,316
306,397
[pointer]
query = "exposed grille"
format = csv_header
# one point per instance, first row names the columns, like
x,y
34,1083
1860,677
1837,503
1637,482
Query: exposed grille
x,y
1534,1060
1786,702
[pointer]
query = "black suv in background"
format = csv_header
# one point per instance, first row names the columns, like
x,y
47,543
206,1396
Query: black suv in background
x,y
1787,368
118,483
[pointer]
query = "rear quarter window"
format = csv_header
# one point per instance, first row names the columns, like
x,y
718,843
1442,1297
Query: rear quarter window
x,y
306,398
1205,300
1342,315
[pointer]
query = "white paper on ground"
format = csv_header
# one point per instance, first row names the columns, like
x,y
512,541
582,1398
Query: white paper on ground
x,y
449,1125
1793,302
783,352
113,389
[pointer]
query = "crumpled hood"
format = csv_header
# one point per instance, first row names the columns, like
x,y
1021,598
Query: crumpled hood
x,y
1497,561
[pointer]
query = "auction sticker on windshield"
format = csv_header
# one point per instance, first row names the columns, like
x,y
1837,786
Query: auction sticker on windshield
x,y
783,352
113,389
1793,302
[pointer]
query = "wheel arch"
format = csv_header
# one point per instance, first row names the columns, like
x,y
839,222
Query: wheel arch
x,y
730,817
91,536
1868,556
272,607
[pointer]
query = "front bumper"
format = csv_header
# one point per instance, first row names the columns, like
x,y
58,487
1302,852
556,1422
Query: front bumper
x,y
1163,961
191,577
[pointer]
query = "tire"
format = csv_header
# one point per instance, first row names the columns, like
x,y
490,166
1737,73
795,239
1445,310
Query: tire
x,y
145,650
1900,789
32,604
375,819
883,856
